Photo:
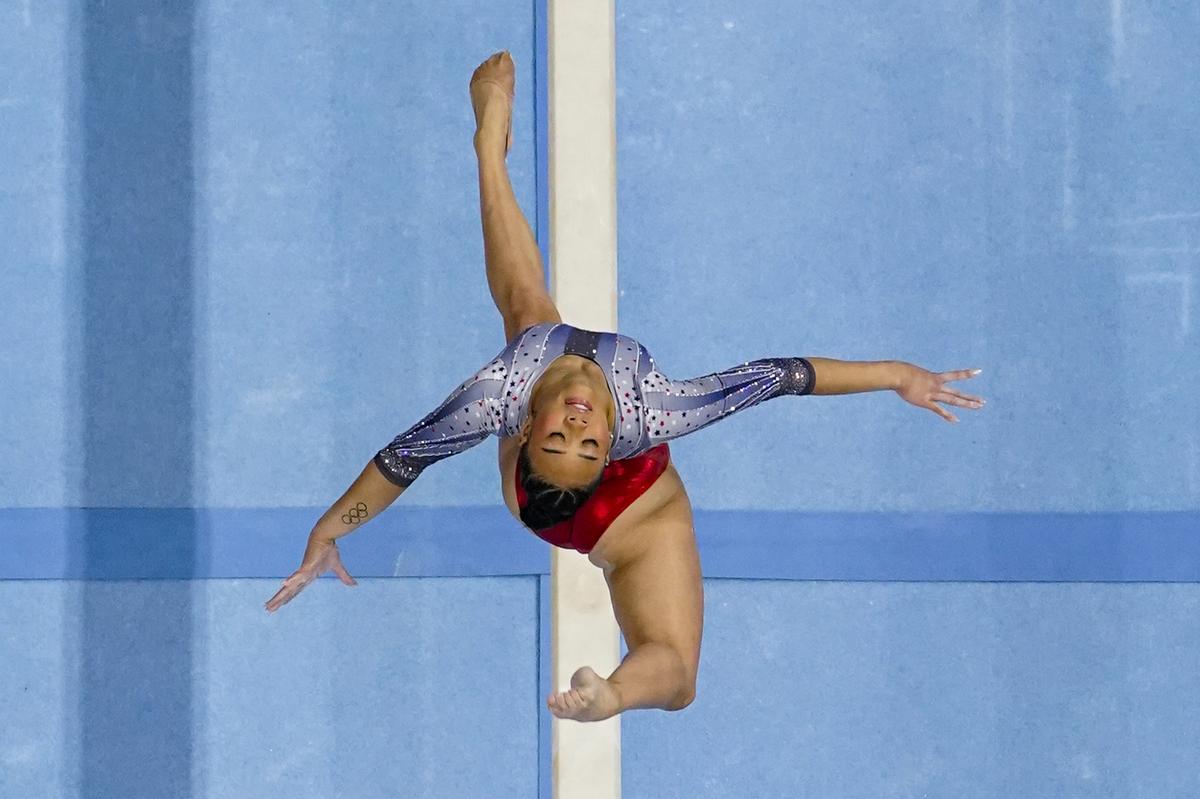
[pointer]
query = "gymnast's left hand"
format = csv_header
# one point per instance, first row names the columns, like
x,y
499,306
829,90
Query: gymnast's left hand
x,y
320,556
925,389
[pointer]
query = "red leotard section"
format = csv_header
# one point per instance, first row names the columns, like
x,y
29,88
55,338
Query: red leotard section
x,y
623,481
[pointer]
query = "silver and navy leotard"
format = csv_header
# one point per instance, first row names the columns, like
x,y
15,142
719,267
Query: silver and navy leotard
x,y
650,407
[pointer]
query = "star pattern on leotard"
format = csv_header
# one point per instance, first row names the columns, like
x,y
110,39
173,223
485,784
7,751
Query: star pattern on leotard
x,y
649,406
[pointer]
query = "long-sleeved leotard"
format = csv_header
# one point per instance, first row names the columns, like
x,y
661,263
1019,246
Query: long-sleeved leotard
x,y
650,407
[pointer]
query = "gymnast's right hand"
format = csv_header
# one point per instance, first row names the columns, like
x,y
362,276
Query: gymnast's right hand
x,y
320,556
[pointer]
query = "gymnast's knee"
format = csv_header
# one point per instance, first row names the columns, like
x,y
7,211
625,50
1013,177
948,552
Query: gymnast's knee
x,y
684,696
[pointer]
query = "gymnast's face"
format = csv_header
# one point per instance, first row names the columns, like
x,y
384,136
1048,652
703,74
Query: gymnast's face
x,y
569,430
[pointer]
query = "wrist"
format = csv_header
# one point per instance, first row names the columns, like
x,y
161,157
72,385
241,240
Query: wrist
x,y
321,538
897,373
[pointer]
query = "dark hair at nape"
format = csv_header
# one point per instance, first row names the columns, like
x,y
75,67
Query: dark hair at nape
x,y
549,504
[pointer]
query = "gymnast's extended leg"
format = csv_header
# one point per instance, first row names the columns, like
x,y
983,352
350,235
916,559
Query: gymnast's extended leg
x,y
515,274
658,599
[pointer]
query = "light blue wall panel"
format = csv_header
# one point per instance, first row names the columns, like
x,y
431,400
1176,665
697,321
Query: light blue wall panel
x,y
420,688
924,689
1009,186
341,235
241,252
242,246
999,185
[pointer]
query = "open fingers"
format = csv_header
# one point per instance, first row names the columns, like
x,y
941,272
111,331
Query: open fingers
x,y
291,586
342,574
958,374
958,398
953,398
281,598
940,411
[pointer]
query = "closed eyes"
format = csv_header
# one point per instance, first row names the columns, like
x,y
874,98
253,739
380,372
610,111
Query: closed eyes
x,y
591,441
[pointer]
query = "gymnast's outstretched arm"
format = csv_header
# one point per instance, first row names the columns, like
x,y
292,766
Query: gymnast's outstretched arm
x,y
852,377
465,418
367,497
915,385
680,407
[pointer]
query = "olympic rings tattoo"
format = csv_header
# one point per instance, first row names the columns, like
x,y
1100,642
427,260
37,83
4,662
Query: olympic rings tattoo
x,y
356,514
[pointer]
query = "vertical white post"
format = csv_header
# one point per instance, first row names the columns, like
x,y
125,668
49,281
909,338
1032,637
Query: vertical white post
x,y
583,256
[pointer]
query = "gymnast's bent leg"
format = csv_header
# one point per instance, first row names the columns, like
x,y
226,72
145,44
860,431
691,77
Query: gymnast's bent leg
x,y
515,274
658,599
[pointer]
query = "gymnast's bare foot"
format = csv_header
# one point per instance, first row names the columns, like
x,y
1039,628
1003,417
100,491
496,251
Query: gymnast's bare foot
x,y
491,97
591,698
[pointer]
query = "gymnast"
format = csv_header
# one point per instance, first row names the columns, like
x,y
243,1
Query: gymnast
x,y
583,420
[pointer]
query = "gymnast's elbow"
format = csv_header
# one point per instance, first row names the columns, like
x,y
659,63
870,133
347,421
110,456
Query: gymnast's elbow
x,y
797,376
398,472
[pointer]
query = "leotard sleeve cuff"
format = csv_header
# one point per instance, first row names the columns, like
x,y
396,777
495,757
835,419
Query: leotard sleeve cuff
x,y
400,471
799,376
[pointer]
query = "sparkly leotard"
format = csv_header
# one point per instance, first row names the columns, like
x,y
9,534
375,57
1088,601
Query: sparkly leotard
x,y
651,408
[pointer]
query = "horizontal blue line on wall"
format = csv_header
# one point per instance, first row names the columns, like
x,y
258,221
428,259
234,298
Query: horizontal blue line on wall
x,y
187,543
1052,547
147,543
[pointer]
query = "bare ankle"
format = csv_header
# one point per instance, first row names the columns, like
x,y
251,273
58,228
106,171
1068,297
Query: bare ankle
x,y
488,146
622,706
